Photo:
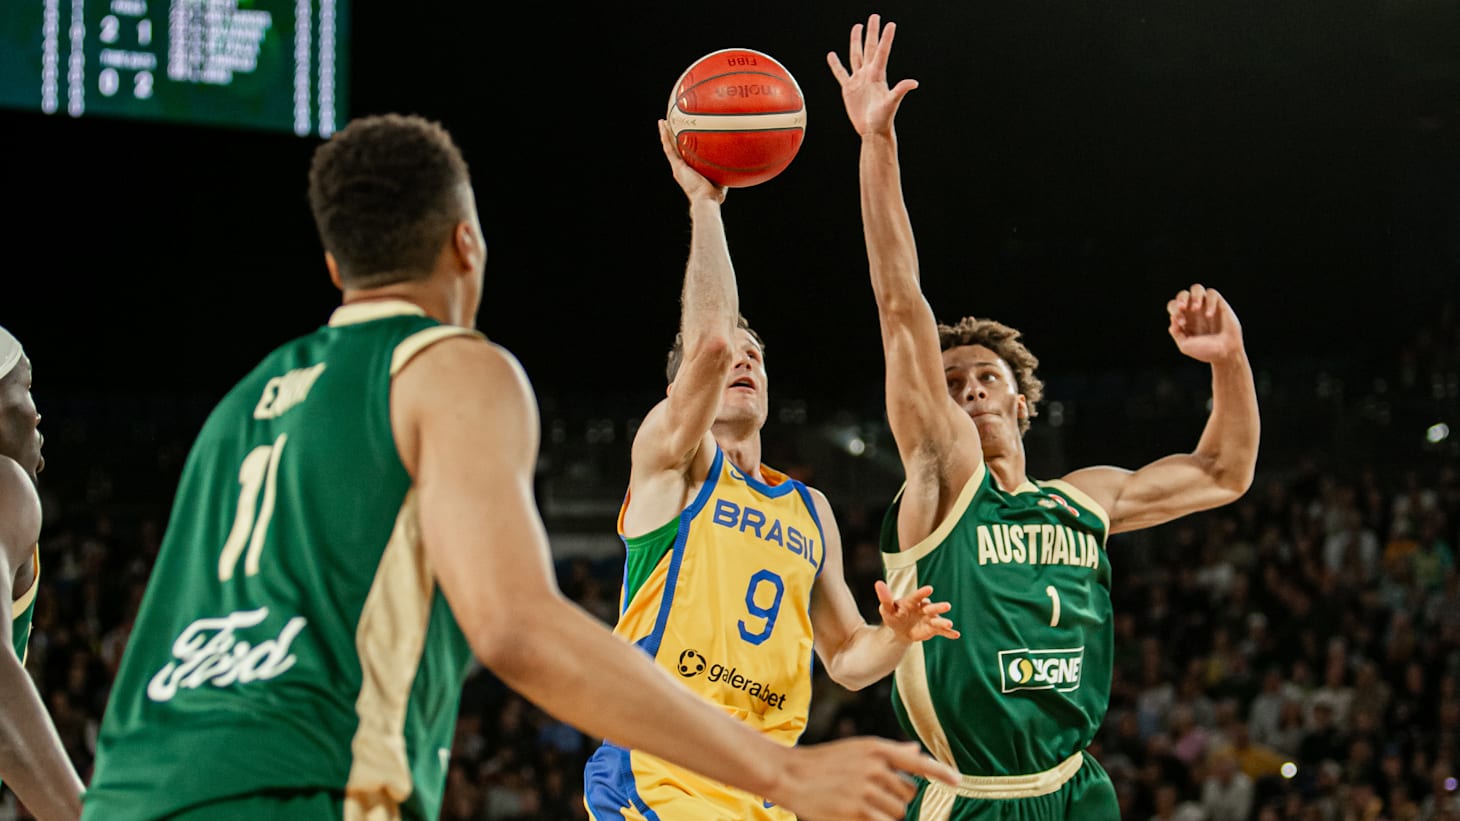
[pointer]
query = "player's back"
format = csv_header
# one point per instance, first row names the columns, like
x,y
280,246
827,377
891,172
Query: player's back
x,y
291,636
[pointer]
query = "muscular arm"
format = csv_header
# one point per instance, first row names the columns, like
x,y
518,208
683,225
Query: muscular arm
x,y
857,654
32,761
675,433
1221,468
938,443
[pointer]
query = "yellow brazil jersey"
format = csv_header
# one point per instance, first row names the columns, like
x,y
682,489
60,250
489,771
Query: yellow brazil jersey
x,y
721,598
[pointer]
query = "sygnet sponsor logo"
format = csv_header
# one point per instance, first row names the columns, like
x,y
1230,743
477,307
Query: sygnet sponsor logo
x,y
1026,669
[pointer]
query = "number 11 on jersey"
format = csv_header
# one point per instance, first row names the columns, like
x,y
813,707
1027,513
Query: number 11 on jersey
x,y
251,524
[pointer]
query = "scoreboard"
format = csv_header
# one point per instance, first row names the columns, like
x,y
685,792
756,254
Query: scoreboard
x,y
278,65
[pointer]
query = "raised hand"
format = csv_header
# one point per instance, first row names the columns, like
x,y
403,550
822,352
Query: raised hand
x,y
915,617
871,105
695,185
1203,325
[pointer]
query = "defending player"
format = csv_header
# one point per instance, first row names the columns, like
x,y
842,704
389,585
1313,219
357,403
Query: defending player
x,y
32,760
733,569
1014,704
355,521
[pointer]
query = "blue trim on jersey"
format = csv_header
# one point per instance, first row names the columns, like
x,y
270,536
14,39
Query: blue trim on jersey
x,y
651,642
811,508
774,492
608,785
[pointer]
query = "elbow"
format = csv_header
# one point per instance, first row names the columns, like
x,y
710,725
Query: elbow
x,y
1235,482
710,351
503,644
845,678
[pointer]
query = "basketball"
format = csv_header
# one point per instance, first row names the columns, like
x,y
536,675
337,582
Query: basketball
x,y
737,117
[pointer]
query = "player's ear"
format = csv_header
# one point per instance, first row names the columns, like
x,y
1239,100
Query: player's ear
x,y
1021,408
334,269
468,245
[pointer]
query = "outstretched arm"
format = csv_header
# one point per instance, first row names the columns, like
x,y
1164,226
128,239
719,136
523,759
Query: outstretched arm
x,y
467,429
856,653
1220,470
933,435
32,761
674,433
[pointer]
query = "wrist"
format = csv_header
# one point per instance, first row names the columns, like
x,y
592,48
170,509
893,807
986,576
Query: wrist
x,y
773,777
880,138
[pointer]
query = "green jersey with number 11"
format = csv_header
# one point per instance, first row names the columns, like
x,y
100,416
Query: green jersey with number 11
x,y
292,635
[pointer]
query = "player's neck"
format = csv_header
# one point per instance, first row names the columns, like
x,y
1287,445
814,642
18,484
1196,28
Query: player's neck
x,y
430,295
1007,468
742,449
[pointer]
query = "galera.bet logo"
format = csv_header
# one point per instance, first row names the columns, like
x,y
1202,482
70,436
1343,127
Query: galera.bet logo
x,y
1026,669
691,664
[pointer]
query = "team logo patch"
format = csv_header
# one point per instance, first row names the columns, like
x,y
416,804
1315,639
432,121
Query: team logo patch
x,y
1026,669
1054,500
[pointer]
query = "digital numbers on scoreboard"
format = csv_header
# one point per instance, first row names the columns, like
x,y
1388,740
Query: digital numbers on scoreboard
x,y
271,64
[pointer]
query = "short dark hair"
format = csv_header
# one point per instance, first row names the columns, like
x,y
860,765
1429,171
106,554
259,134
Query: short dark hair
x,y
386,192
1004,342
676,353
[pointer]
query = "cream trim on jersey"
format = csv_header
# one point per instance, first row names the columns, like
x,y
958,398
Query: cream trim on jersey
x,y
938,798
373,309
911,555
1084,499
911,674
407,348
389,641
17,607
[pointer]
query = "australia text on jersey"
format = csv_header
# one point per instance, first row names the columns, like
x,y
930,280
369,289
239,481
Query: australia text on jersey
x,y
1037,544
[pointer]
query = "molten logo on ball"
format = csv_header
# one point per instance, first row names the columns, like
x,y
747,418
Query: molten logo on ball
x,y
737,116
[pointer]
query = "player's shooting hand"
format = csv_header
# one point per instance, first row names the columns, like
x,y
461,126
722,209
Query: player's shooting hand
x,y
1203,325
871,105
857,779
695,185
915,617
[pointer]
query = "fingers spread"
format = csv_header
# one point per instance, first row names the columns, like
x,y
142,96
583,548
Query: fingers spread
x,y
837,69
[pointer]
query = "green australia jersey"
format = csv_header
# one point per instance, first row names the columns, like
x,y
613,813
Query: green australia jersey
x,y
292,635
1028,683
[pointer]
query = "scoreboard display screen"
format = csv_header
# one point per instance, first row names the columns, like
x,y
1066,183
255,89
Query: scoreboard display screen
x,y
276,65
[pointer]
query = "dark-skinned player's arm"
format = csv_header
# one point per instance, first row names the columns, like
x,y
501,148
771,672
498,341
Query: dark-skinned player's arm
x,y
33,763
466,426
1221,467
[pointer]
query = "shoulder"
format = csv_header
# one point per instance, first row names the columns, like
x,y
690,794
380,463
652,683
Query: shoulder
x,y
20,509
455,359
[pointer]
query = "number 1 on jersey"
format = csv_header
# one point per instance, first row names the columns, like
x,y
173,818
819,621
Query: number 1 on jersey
x,y
1054,605
251,524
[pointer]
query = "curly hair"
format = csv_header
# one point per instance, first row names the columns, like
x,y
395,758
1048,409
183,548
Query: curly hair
x,y
676,353
1003,341
386,191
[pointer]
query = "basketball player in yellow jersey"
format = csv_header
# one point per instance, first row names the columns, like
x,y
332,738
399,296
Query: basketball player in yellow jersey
x,y
32,761
733,569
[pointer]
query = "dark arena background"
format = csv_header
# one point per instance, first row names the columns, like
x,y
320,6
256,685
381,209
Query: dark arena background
x,y
1068,167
